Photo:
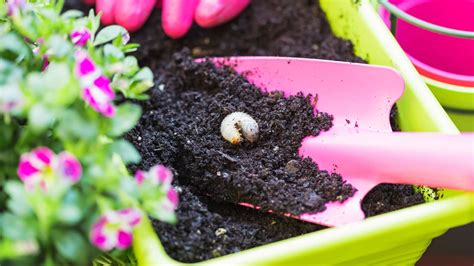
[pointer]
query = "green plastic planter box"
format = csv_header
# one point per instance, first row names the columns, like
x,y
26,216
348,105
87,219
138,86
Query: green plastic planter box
x,y
398,237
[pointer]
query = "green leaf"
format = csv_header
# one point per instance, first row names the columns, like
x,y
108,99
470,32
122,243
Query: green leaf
x,y
94,21
129,186
73,126
59,47
40,117
126,151
72,246
141,82
72,14
9,72
7,134
16,228
15,249
130,65
54,87
126,118
113,53
108,34
71,210
144,74
17,203
131,47
13,47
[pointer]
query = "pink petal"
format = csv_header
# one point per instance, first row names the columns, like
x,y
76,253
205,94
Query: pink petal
x,y
130,216
87,96
98,101
25,169
32,163
139,177
172,196
102,241
80,37
14,6
99,240
84,64
124,239
163,174
108,111
45,63
103,83
44,154
98,236
70,166
100,223
43,185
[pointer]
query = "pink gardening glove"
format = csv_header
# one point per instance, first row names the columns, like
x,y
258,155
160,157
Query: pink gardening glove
x,y
177,15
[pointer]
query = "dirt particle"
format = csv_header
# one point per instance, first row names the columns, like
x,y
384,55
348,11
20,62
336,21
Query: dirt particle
x,y
292,166
220,231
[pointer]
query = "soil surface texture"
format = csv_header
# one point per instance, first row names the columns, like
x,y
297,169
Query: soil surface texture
x,y
188,111
180,128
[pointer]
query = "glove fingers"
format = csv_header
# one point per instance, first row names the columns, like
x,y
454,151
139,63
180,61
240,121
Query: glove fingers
x,y
177,16
107,9
132,14
210,13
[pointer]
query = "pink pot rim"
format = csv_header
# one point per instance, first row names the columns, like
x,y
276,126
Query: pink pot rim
x,y
425,69
441,75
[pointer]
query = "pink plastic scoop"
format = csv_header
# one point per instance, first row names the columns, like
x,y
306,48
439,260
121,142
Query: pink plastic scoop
x,y
361,145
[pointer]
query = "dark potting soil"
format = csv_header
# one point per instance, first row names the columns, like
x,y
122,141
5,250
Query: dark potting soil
x,y
188,111
207,226
180,127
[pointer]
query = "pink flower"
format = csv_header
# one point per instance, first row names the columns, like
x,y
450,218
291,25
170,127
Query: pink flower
x,y
80,36
114,229
85,67
157,175
14,6
161,207
96,90
42,167
172,200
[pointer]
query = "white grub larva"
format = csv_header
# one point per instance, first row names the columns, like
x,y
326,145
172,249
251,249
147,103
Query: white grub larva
x,y
237,126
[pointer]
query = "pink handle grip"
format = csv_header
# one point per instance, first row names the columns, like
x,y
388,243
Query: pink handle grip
x,y
430,159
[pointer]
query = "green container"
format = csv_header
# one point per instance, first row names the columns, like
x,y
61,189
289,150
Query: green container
x,y
458,102
399,237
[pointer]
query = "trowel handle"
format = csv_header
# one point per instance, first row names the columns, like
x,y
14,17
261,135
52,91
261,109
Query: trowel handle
x,y
430,159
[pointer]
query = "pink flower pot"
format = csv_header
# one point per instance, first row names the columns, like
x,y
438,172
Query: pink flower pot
x,y
437,56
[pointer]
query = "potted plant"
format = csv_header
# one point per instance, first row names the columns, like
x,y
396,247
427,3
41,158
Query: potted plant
x,y
65,90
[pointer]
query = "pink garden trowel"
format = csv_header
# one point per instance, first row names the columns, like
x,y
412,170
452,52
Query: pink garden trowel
x,y
361,145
